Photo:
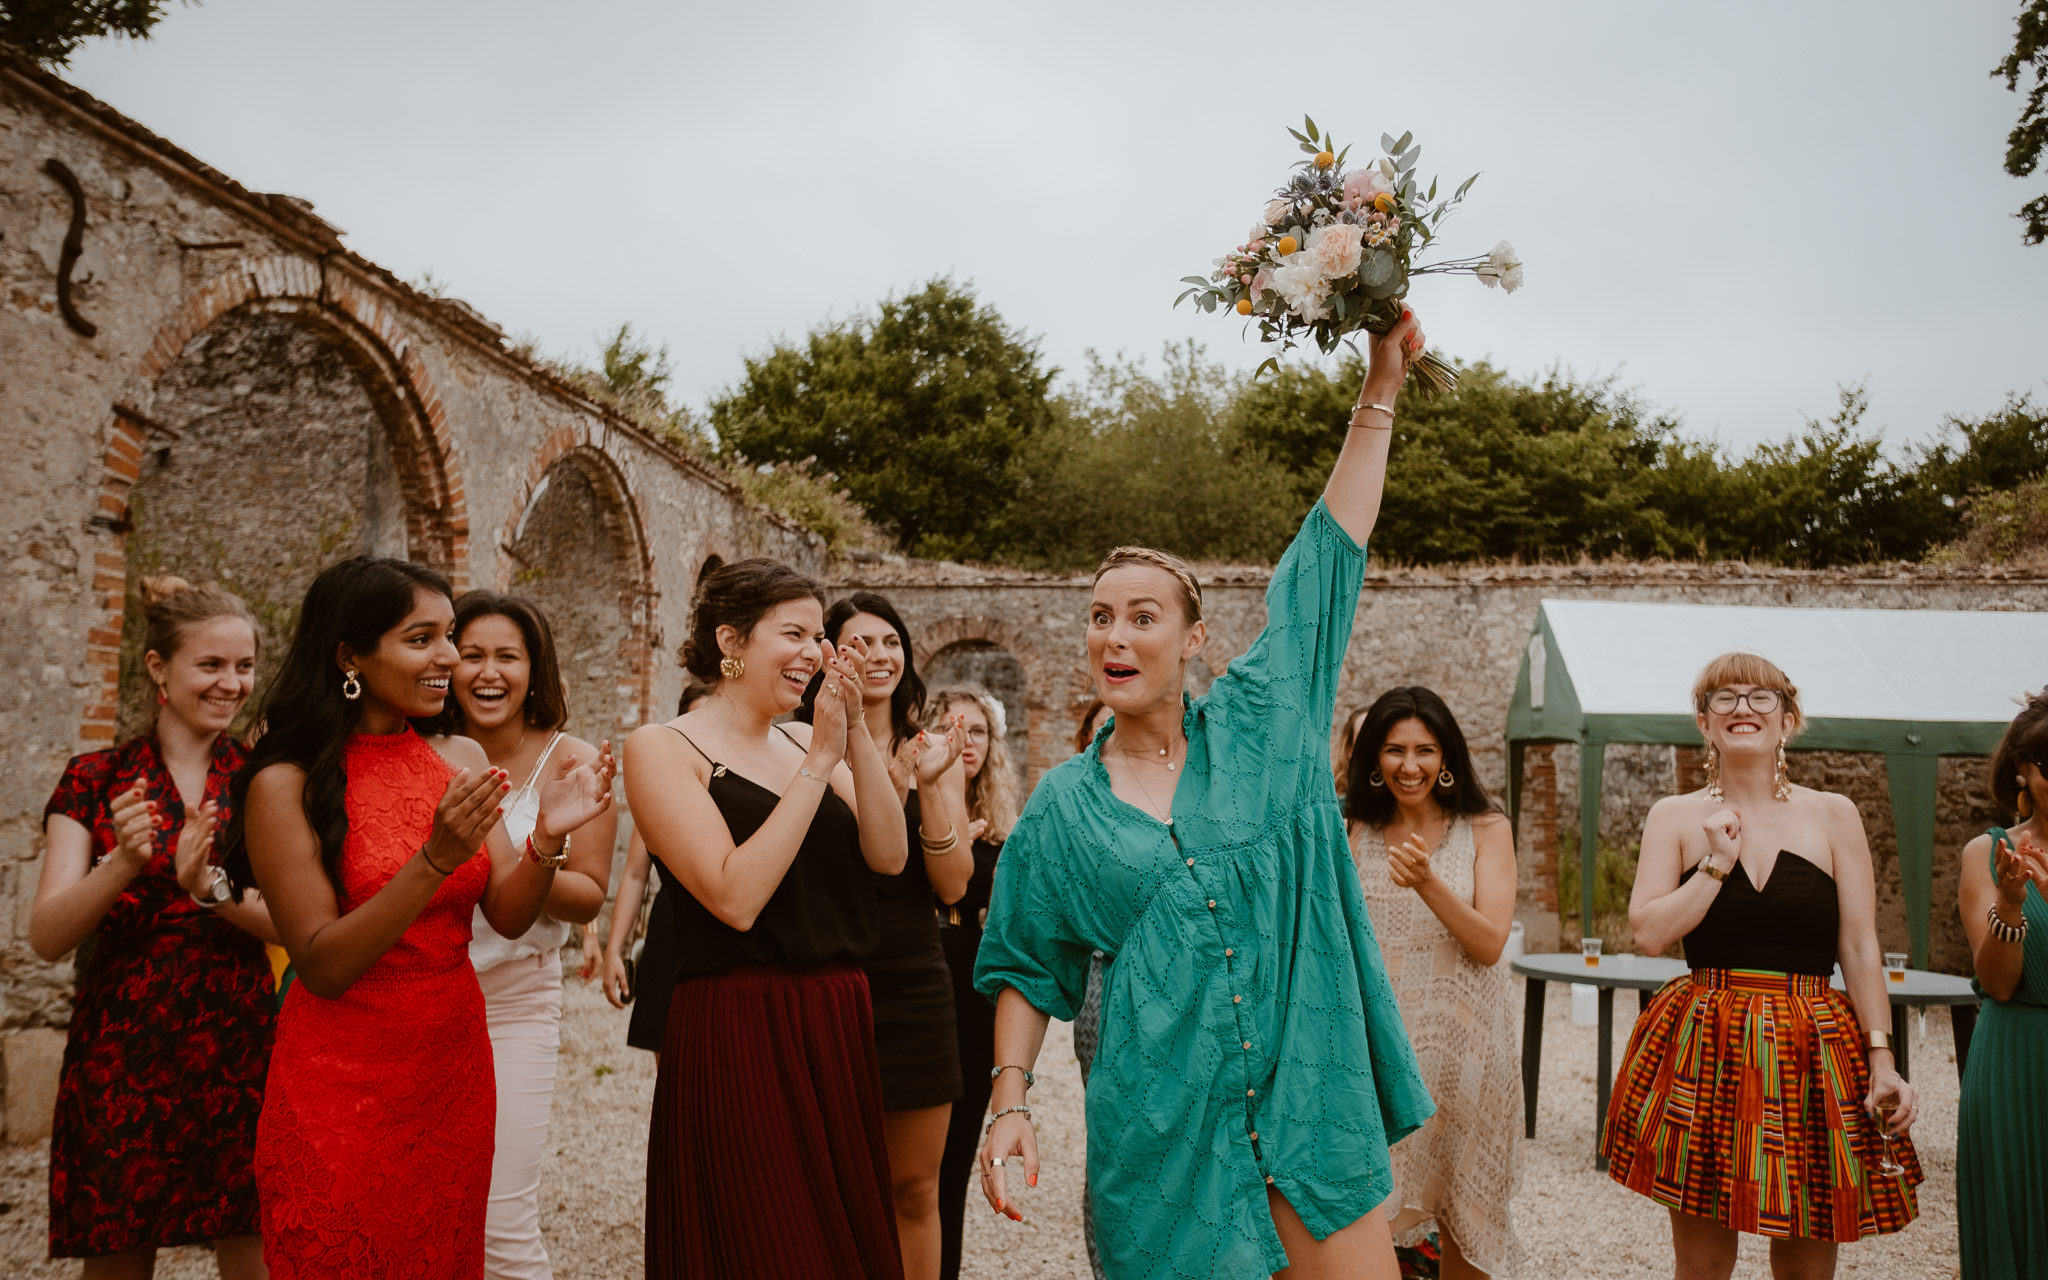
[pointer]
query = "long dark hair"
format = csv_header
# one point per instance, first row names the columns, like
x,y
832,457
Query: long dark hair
x,y
547,703
2025,742
1372,803
304,719
906,705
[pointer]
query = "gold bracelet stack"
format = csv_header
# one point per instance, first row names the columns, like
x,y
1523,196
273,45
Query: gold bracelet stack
x,y
1383,408
942,845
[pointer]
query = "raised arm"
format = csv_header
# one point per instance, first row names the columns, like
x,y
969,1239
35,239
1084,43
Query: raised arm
x,y
1661,910
579,889
73,894
1360,475
1998,876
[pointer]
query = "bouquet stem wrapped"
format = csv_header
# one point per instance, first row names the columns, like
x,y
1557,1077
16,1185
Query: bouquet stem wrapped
x,y
1334,251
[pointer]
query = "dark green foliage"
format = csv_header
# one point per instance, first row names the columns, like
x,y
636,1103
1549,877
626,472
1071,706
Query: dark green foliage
x,y
48,30
2023,146
920,410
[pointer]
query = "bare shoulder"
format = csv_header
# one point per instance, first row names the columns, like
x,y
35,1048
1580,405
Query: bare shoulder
x,y
577,749
1685,805
1492,820
460,752
1833,805
281,781
800,731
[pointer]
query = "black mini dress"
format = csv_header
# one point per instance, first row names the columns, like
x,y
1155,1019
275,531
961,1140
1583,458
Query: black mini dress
x,y
912,987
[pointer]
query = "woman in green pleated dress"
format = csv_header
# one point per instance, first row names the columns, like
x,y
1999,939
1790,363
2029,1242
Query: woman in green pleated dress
x,y
2002,1123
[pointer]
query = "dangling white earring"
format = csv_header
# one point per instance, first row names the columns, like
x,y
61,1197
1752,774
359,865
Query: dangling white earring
x,y
351,688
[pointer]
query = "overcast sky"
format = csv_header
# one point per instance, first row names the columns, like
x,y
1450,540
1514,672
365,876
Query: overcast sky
x,y
1735,207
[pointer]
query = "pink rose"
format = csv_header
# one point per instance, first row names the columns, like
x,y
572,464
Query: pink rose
x,y
1362,186
1335,249
1261,282
1278,210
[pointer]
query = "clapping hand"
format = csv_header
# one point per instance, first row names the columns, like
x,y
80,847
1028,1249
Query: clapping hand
x,y
936,755
466,814
2014,868
1408,863
575,793
135,825
194,858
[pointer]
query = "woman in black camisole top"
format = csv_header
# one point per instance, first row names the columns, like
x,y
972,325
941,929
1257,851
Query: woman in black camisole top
x,y
1752,1093
766,1154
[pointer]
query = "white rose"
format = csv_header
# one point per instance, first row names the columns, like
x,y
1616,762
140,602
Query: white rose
x,y
1503,268
1277,211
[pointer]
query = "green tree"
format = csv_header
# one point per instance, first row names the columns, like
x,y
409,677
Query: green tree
x,y
920,409
2029,136
1134,457
48,30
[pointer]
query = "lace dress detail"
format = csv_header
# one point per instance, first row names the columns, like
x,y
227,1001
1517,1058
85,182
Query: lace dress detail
x,y
1459,1170
373,1157
1248,1034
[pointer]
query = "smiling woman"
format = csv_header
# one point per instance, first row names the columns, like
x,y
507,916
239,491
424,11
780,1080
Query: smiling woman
x,y
373,1153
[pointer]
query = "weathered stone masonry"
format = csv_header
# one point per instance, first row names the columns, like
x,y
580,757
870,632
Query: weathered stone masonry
x,y
256,401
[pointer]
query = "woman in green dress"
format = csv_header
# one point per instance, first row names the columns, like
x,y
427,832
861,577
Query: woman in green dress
x,y
1252,1069
2002,1120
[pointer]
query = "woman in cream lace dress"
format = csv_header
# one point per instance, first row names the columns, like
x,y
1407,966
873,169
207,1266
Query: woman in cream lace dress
x,y
1437,863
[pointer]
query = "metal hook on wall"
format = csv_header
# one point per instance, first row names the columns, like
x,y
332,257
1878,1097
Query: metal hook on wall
x,y
74,245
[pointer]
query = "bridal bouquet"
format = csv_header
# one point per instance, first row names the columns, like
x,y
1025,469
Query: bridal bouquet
x,y
1334,251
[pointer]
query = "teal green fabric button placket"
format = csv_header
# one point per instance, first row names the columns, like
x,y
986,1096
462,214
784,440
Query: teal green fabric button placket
x,y
1249,1035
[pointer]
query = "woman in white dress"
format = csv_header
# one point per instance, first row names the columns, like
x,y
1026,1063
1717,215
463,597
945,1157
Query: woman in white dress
x,y
1436,859
507,694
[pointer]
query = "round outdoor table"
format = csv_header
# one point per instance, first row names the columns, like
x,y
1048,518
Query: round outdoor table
x,y
1647,973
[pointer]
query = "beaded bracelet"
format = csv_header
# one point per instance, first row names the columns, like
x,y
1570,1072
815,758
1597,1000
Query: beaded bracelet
x,y
1000,1114
2006,932
1029,1079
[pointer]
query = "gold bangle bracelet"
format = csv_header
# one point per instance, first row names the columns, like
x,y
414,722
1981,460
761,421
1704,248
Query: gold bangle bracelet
x,y
1879,1040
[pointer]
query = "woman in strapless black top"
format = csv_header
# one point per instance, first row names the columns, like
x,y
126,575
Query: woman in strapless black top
x,y
1751,1094
766,1155
907,974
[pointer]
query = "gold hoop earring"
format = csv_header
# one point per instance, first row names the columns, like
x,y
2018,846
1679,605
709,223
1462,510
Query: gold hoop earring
x,y
351,687
1783,787
1445,778
1713,774
731,668
1377,779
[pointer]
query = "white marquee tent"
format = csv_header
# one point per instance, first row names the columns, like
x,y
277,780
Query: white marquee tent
x,y
1914,684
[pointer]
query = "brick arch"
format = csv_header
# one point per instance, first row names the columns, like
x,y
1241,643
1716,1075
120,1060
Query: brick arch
x,y
1039,734
625,525
366,328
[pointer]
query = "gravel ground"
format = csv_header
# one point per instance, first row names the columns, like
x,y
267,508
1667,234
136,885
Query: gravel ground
x,y
1578,1223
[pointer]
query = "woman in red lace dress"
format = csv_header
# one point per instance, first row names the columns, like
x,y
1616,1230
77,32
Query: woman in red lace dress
x,y
170,1033
373,1157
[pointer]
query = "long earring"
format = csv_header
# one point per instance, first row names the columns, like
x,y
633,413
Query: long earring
x,y
1377,779
351,688
1445,779
731,668
1783,789
1713,774
162,696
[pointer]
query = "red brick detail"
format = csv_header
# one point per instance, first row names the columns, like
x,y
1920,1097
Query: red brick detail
x,y
371,328
1051,721
625,521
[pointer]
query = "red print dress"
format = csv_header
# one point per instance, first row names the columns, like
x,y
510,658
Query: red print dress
x,y
374,1153
170,1037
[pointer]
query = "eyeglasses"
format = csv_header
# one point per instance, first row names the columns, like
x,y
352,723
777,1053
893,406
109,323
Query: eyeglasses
x,y
977,734
1723,702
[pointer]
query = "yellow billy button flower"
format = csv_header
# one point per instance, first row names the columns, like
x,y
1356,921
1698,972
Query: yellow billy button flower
x,y
1324,159
1384,202
1244,306
1287,245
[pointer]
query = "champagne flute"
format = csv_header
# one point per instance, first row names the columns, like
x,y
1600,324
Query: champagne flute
x,y
1887,1163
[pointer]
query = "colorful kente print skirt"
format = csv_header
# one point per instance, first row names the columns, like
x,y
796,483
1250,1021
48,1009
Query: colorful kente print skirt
x,y
1740,1100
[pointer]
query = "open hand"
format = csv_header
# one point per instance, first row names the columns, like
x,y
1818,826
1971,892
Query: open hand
x,y
574,793
1011,1141
466,814
2014,868
194,859
935,755
135,824
1408,863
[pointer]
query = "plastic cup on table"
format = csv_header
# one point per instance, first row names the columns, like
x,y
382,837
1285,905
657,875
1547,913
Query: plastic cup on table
x,y
1895,966
1590,948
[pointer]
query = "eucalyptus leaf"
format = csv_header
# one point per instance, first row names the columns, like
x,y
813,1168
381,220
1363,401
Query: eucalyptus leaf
x,y
1432,190
1269,363
1402,145
1312,130
1387,143
1297,135
1337,304
1465,186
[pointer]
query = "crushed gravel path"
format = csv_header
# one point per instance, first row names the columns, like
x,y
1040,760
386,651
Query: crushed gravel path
x,y
1578,1223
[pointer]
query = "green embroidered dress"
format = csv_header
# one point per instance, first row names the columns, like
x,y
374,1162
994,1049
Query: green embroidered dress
x,y
1249,1035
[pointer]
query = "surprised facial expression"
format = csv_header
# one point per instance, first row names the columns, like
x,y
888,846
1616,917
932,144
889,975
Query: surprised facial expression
x,y
1139,638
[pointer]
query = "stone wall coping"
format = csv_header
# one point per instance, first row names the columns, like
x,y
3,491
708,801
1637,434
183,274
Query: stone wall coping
x,y
290,219
1722,573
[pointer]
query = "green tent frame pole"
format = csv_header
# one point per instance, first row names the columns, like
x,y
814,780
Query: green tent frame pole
x,y
1592,763
1915,785
1515,753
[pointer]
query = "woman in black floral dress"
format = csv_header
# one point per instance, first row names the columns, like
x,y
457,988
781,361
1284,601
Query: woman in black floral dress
x,y
155,1131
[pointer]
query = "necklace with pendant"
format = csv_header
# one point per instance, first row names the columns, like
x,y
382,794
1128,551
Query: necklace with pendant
x,y
1145,757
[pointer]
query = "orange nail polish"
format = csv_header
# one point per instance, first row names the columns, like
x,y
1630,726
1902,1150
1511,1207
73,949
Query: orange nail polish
x,y
1032,1180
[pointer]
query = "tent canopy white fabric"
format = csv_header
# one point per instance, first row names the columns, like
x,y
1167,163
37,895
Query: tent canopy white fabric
x,y
1913,684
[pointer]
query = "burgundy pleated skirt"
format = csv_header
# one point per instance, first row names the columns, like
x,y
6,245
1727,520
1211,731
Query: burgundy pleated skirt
x,y
767,1156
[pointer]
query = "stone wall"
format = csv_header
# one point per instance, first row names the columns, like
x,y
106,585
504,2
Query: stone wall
x,y
235,395
1462,633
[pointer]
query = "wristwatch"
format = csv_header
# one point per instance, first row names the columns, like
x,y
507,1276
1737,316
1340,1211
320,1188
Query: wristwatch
x,y
217,893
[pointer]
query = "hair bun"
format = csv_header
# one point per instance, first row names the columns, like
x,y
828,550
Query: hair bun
x,y
159,589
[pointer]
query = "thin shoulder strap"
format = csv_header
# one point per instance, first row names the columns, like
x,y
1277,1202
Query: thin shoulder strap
x,y
542,763
792,737
715,766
